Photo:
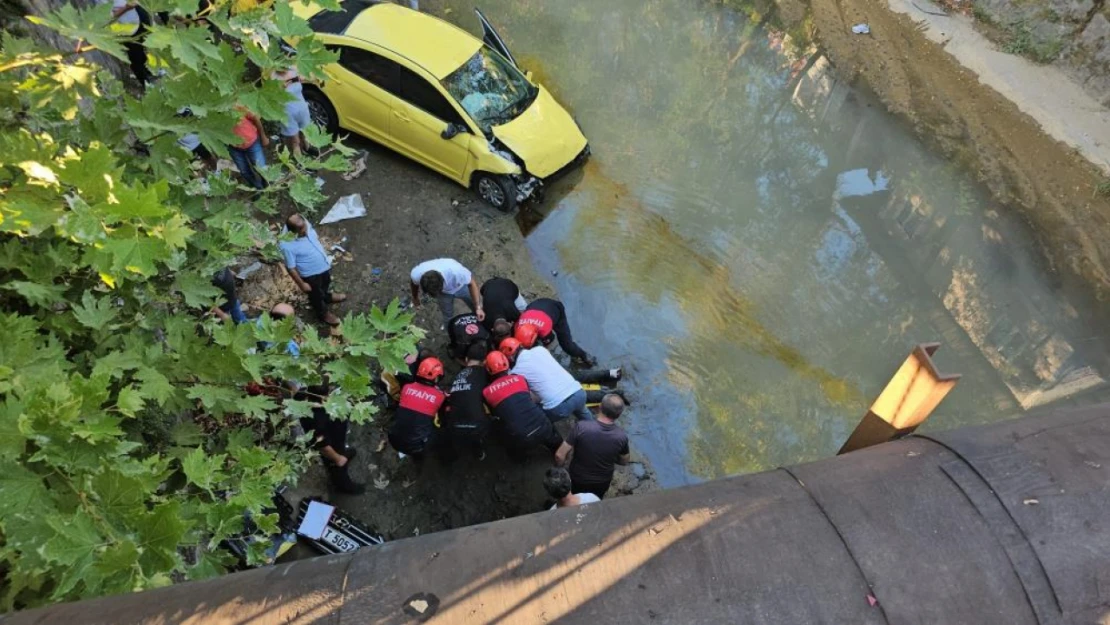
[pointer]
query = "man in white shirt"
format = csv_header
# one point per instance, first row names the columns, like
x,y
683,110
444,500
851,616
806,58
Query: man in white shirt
x,y
557,484
559,393
446,280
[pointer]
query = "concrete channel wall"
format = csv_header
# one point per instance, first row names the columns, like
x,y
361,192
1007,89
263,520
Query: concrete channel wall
x,y
1008,524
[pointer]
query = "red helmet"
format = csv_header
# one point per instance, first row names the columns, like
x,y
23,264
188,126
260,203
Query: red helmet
x,y
526,334
509,347
430,369
496,363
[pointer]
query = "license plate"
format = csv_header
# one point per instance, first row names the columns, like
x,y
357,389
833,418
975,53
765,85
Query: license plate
x,y
339,541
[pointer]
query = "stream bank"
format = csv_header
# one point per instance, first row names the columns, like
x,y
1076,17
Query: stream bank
x,y
414,215
1054,187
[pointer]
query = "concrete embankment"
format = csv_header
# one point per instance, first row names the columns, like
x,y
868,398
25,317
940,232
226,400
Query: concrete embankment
x,y
998,524
1039,143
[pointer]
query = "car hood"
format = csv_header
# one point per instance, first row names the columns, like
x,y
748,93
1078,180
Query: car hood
x,y
544,135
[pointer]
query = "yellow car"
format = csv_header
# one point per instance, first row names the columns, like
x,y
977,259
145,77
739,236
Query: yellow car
x,y
442,97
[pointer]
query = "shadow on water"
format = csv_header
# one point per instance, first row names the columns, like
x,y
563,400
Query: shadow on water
x,y
761,244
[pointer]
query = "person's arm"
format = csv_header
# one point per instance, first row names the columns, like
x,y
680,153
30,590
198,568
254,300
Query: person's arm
x,y
625,456
333,455
415,293
220,314
561,454
118,11
476,297
261,131
299,281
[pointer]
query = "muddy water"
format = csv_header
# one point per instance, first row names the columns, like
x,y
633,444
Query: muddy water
x,y
761,244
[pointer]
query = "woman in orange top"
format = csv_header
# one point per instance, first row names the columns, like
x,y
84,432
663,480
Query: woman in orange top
x,y
248,155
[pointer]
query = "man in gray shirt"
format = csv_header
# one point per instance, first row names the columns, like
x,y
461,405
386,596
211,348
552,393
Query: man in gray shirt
x,y
598,446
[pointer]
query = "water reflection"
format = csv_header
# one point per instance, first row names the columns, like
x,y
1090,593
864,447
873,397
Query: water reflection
x,y
765,245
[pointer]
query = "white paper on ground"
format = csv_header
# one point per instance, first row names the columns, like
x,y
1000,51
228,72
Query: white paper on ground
x,y
348,207
315,520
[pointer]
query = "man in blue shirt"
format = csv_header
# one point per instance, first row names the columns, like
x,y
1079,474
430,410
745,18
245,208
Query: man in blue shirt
x,y
309,267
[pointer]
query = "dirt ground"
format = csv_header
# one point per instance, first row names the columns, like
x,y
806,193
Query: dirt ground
x,y
414,215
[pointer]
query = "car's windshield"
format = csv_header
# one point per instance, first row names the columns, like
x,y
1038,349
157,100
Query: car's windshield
x,y
490,88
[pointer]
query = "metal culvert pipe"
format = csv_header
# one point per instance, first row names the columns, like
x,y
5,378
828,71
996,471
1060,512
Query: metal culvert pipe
x,y
1008,524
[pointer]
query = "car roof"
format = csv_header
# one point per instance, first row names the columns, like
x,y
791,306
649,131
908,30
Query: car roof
x,y
431,43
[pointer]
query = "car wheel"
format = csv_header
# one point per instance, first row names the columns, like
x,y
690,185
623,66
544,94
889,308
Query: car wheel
x,y
497,191
321,111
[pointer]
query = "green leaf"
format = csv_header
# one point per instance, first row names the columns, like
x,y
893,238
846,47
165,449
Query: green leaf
x,y
159,534
187,434
154,385
303,191
210,564
136,252
23,489
202,469
116,363
267,101
312,57
190,45
88,25
37,294
94,312
76,538
12,441
130,400
97,427
135,202
119,495
92,173
287,24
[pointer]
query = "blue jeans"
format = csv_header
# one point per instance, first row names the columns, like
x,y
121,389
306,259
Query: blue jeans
x,y
233,309
248,161
447,302
573,405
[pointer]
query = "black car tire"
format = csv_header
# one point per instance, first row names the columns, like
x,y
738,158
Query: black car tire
x,y
320,109
496,190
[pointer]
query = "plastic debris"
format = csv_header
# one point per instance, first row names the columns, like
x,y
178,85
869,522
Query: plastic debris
x,y
245,272
1031,502
861,29
348,207
872,601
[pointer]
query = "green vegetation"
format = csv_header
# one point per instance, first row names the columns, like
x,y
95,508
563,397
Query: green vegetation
x,y
128,447
1103,188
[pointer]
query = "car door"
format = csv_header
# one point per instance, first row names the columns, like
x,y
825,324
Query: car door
x,y
363,88
494,40
420,115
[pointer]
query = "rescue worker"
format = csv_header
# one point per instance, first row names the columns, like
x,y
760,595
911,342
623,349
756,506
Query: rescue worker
x,y
549,316
465,418
509,398
463,331
559,393
417,414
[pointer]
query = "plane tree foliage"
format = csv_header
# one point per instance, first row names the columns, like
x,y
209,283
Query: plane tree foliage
x,y
129,449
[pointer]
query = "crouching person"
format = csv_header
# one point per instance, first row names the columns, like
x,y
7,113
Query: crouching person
x,y
330,439
417,415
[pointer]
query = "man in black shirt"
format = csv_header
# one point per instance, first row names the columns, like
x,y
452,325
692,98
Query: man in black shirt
x,y
463,331
598,445
501,299
465,420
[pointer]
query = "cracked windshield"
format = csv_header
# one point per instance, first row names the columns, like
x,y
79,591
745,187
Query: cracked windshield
x,y
762,244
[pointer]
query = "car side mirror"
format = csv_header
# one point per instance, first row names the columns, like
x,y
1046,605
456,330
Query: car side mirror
x,y
452,131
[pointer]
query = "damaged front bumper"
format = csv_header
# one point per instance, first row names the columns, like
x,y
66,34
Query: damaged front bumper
x,y
529,186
